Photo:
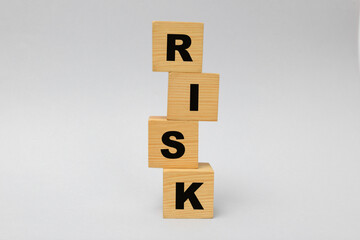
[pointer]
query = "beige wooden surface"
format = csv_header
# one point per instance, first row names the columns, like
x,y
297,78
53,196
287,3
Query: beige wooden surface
x,y
178,107
160,30
157,127
205,193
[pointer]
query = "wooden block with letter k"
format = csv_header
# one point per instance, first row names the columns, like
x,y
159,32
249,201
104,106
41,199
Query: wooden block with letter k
x,y
188,193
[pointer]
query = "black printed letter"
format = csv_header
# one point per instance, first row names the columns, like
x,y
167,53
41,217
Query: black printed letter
x,y
171,143
182,196
194,97
171,47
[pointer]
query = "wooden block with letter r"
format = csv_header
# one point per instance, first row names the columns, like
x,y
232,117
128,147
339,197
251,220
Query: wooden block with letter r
x,y
193,96
173,144
188,193
177,46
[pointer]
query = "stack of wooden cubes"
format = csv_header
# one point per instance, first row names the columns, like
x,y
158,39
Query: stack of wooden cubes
x,y
188,190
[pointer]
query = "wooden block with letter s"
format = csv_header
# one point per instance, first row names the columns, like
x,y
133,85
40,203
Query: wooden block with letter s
x,y
173,144
193,96
188,193
177,46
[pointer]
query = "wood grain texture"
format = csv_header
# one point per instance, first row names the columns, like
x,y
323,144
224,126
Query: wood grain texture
x,y
159,42
190,130
205,194
178,107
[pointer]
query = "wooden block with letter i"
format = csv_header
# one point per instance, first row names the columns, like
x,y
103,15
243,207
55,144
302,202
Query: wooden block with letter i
x,y
173,144
177,46
193,96
188,193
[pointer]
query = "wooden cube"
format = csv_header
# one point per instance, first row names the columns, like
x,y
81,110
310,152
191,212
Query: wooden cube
x,y
177,46
193,96
188,193
173,144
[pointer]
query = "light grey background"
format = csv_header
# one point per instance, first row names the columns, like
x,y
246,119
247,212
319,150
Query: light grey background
x,y
77,88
